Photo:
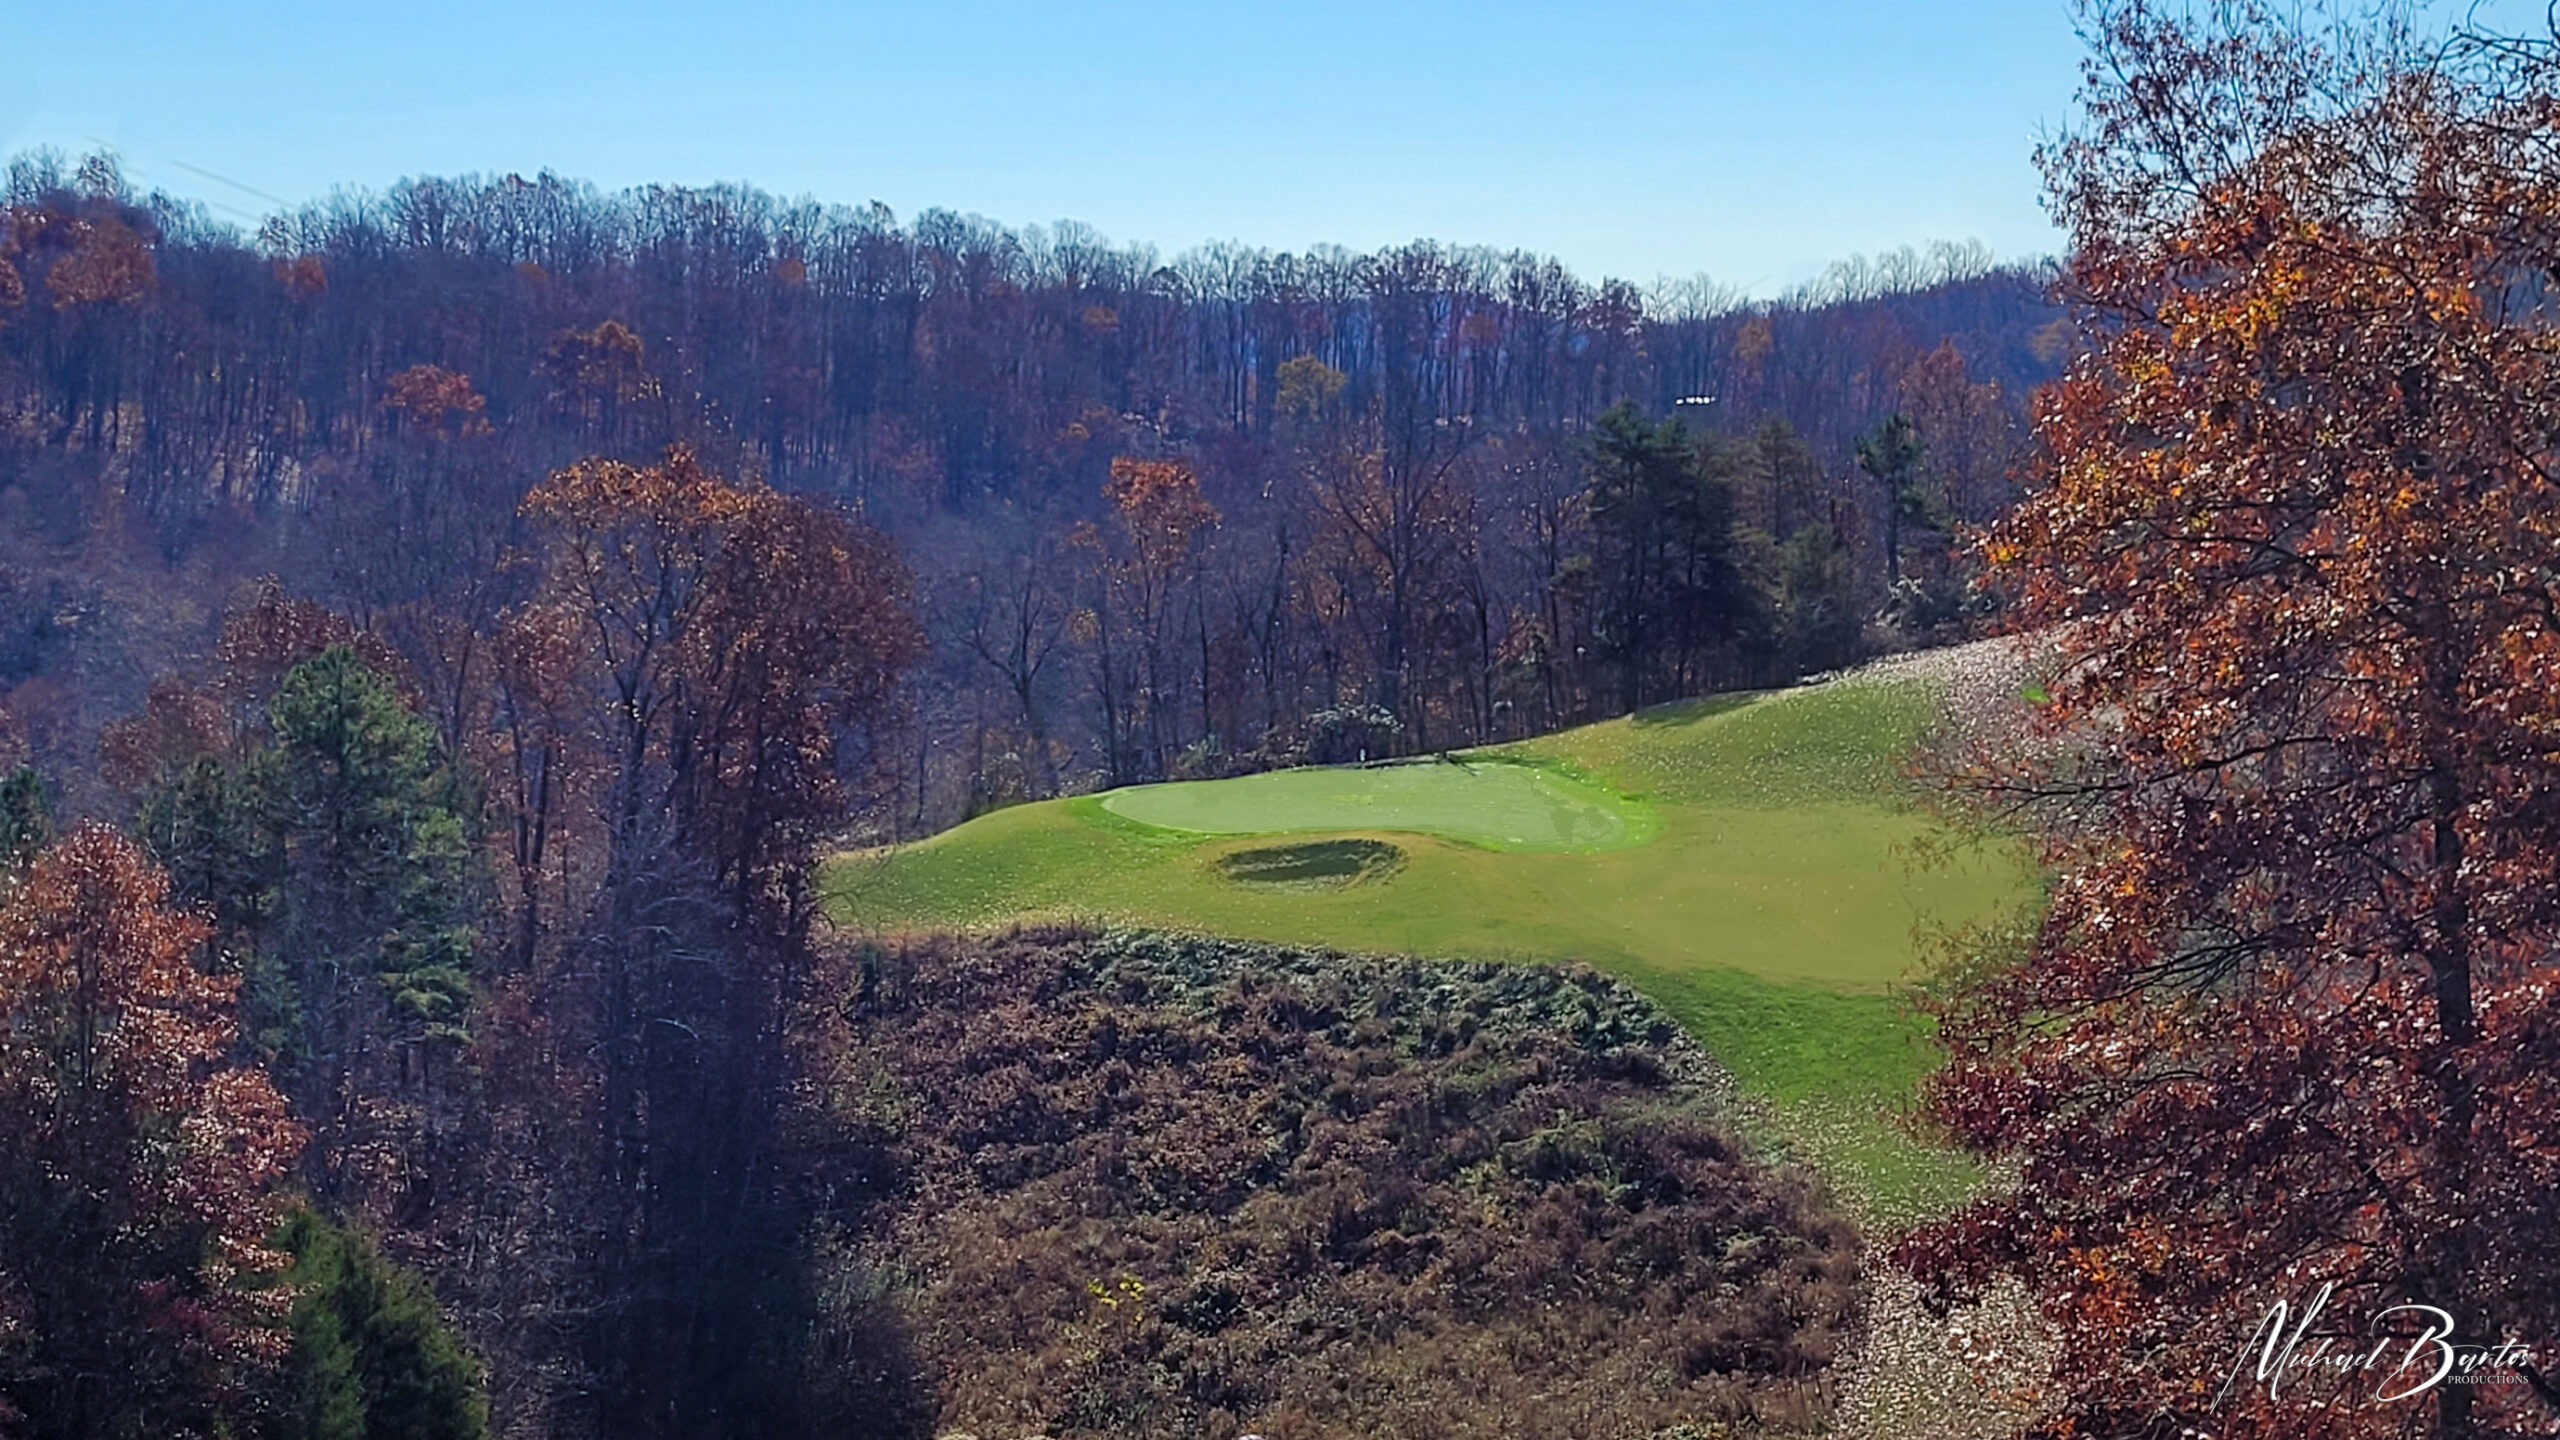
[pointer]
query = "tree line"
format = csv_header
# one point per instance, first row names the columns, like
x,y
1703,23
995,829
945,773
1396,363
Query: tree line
x,y
2282,1033
1399,510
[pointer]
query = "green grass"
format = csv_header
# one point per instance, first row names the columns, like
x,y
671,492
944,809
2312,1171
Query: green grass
x,y
1496,804
1752,863
1833,1071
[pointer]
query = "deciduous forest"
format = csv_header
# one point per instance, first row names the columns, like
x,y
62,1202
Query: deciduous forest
x,y
444,628
680,813
1178,517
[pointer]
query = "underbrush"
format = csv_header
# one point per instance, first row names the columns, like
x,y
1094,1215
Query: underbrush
x,y
1165,1185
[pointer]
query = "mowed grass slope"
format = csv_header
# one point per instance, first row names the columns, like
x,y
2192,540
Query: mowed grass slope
x,y
1754,864
1497,804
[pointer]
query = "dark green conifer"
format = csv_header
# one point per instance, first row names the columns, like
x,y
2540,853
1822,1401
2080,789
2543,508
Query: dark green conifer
x,y
373,1359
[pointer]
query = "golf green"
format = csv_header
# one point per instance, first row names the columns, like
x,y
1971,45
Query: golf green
x,y
1498,804
1755,863
1769,834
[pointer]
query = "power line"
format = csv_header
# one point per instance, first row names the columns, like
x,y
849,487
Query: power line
x,y
234,184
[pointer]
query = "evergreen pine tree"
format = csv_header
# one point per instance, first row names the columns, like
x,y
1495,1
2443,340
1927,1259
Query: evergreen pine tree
x,y
373,1359
26,817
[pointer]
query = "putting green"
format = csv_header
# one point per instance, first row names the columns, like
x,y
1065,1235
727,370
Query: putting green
x,y
1498,804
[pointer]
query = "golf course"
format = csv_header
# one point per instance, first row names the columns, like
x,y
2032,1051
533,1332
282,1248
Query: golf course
x,y
1757,864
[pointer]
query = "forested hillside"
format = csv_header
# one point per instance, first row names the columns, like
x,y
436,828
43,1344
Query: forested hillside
x,y
440,633
676,815
1165,1186
1167,516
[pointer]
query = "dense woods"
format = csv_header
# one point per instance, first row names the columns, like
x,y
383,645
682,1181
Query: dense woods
x,y
1184,515
510,930
480,603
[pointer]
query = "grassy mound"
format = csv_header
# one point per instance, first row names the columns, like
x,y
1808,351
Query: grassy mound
x,y
1498,805
1775,898
1171,1186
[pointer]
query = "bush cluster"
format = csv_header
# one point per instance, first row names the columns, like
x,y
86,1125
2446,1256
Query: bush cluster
x,y
1166,1185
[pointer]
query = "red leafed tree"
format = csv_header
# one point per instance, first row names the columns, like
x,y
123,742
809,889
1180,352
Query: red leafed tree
x,y
437,400
138,1165
109,262
596,373
2289,1021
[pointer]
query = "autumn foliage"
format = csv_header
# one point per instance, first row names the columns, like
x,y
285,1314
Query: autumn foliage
x,y
93,258
690,698
434,398
2289,1021
139,1160
739,637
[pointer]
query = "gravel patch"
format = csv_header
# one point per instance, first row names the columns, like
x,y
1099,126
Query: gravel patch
x,y
1976,1373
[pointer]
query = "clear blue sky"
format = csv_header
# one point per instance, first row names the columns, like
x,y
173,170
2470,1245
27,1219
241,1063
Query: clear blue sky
x,y
1750,141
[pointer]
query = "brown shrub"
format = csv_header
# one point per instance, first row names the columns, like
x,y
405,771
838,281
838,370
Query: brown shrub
x,y
1162,1185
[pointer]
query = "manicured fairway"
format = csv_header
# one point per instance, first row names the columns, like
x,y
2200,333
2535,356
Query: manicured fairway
x,y
1500,804
1754,864
1819,894
1770,835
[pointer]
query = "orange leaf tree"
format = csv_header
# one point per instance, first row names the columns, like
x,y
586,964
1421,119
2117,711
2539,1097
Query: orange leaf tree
x,y
2288,1021
1162,520
745,641
138,1165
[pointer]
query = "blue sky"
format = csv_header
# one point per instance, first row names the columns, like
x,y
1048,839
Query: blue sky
x,y
1753,142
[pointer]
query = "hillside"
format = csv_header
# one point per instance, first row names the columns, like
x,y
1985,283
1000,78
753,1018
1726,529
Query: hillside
x,y
1158,1186
360,398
